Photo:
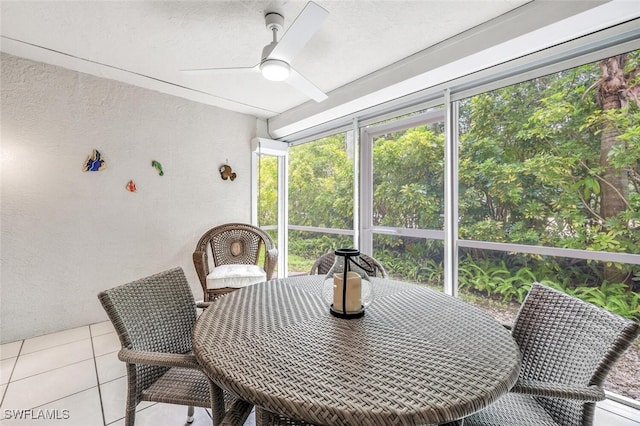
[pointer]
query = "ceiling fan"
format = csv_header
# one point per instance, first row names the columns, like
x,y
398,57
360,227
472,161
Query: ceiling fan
x,y
277,55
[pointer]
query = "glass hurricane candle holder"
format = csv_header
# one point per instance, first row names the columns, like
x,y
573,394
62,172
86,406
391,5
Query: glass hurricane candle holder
x,y
346,287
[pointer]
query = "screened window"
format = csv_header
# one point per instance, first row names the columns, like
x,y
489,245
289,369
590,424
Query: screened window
x,y
321,198
548,177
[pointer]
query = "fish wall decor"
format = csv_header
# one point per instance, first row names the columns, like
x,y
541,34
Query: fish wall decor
x,y
94,162
158,167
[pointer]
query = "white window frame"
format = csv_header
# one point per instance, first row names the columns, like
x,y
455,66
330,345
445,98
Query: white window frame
x,y
263,146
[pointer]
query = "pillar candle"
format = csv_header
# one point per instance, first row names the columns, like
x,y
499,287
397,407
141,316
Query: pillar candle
x,y
354,290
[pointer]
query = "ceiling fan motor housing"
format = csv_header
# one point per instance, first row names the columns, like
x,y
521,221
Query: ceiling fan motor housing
x,y
274,21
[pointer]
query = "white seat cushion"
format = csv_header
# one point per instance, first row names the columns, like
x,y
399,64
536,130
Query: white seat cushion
x,y
235,276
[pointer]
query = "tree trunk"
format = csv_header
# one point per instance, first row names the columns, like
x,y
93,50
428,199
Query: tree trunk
x,y
614,194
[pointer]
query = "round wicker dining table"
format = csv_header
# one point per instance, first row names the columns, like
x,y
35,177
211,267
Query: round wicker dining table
x,y
417,357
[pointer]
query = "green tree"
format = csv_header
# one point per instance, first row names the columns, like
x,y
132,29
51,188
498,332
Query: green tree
x,y
617,87
408,187
531,172
321,183
268,190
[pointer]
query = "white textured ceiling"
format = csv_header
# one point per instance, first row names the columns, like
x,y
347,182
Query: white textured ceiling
x,y
147,43
156,39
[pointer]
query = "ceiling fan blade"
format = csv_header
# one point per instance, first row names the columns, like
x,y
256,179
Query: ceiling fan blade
x,y
297,81
211,71
299,32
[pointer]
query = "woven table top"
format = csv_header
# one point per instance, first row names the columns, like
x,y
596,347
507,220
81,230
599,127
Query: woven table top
x,y
416,357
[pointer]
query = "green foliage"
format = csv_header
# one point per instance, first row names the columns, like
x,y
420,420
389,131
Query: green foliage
x,y
306,247
512,284
268,194
321,183
411,259
408,188
300,263
614,297
491,279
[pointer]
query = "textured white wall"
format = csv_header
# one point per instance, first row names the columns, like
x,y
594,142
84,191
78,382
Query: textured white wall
x,y
67,234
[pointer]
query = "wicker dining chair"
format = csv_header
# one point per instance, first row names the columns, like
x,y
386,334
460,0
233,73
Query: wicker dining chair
x,y
154,318
235,250
325,262
568,347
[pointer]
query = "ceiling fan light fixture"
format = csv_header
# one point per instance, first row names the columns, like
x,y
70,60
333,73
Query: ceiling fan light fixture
x,y
275,70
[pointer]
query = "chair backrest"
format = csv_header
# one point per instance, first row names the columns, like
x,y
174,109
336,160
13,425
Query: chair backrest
x,y
233,243
566,340
325,262
155,314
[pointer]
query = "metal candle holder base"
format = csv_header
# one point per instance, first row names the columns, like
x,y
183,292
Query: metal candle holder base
x,y
350,315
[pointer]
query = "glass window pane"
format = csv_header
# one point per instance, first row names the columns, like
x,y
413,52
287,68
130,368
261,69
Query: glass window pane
x,y
306,246
497,282
409,259
553,162
408,178
321,195
268,199
321,183
268,190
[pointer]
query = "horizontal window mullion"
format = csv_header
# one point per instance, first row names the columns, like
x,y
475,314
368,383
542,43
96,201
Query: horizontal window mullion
x,y
602,256
321,230
311,135
433,116
433,234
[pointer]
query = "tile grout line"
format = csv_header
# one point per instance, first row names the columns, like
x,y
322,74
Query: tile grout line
x,y
61,398
44,372
11,374
52,346
50,370
111,330
95,365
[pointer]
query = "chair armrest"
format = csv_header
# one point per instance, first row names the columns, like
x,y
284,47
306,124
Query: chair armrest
x,y
270,260
158,358
203,305
590,393
202,267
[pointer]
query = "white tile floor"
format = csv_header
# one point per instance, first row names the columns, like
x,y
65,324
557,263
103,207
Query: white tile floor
x,y
75,378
